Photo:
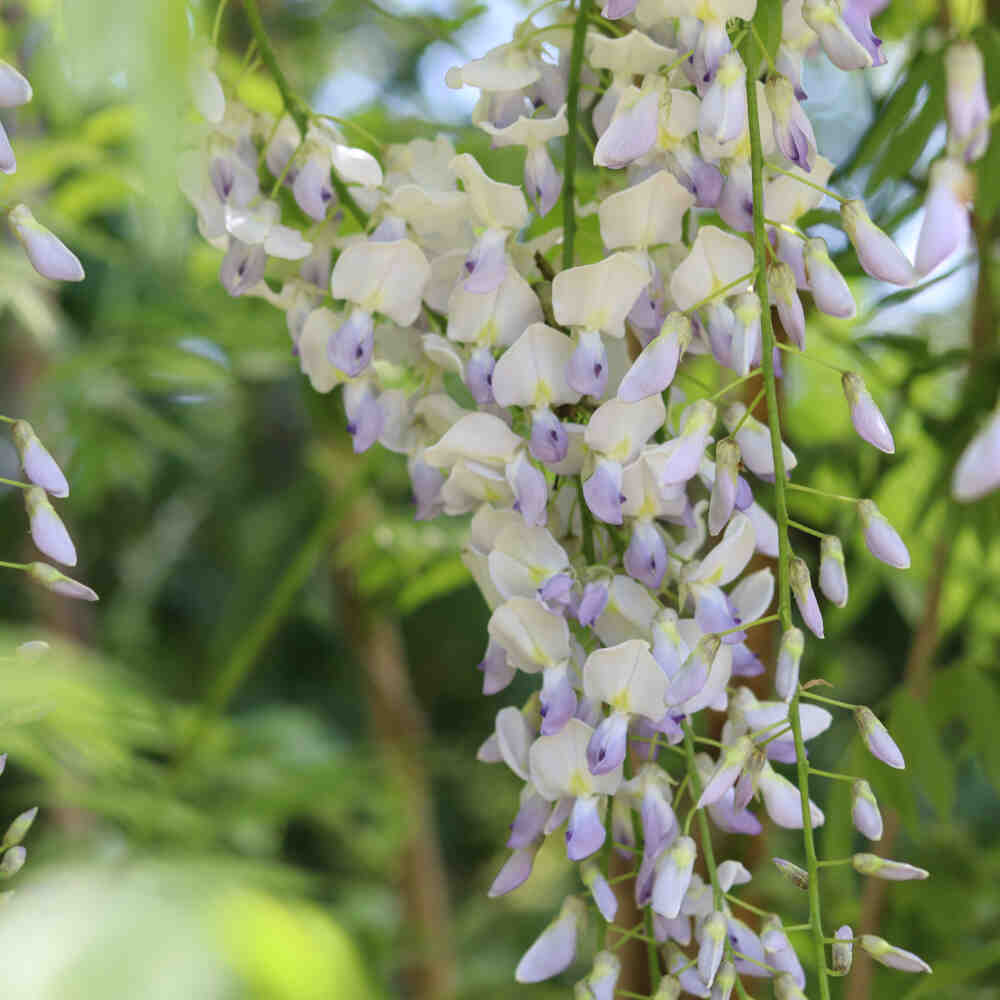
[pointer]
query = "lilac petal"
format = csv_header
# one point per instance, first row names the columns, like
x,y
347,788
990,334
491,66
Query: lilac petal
x,y
978,470
558,699
487,263
743,501
714,612
15,89
389,230
541,179
735,204
602,893
39,466
746,943
832,575
730,819
530,489
830,292
723,111
514,873
587,371
693,675
858,21
646,555
497,671
659,823
313,189
712,947
479,376
606,749
713,43
746,663
350,347
242,267
47,530
585,831
673,876
529,823
782,751
891,956
8,161
786,672
881,537
426,482
842,952
654,369
603,492
778,952
557,592
945,228
880,744
549,440
613,9
622,828
630,135
365,418
592,603
555,948
877,253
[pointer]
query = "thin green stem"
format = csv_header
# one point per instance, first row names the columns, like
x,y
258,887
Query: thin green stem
x,y
746,906
748,412
775,736
15,482
10,565
217,24
652,957
821,493
833,775
733,384
781,510
295,106
679,61
572,128
742,628
828,701
347,123
797,928
799,526
763,48
587,523
791,349
802,180
833,862
743,279
7,420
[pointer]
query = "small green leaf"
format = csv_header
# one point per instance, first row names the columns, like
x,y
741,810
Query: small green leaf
x,y
765,29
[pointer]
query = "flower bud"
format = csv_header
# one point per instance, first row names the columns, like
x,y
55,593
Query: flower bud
x,y
880,744
731,761
785,296
877,253
50,578
725,981
978,470
713,943
604,896
830,292
646,556
669,989
13,861
967,101
805,599
14,88
603,492
654,369
891,956
865,414
515,872
843,950
47,530
8,161
541,179
892,871
786,988
723,112
479,379
832,575
864,811
746,787
603,976
723,498
849,44
19,828
786,674
242,267
799,877
555,948
351,346
946,218
881,537
792,129
49,256
588,367
39,466
673,876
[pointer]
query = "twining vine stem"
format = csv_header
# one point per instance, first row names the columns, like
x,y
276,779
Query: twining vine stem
x,y
294,106
781,511
572,127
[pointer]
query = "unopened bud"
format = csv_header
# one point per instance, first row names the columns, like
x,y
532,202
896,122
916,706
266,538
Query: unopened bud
x,y
786,674
881,537
880,744
13,861
724,983
49,256
832,573
47,529
18,828
864,811
877,253
892,871
39,466
805,599
50,578
843,950
786,988
891,956
669,989
865,414
830,292
799,877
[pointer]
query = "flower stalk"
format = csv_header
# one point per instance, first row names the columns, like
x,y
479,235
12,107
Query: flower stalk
x,y
781,512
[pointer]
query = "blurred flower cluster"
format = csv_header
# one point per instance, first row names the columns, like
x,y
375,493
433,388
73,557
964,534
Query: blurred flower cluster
x,y
615,516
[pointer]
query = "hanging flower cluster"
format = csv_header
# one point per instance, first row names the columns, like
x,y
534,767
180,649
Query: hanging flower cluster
x,y
614,514
52,259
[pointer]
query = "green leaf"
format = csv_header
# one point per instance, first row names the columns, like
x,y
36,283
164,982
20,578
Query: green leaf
x,y
927,762
956,971
437,581
765,29
972,697
988,191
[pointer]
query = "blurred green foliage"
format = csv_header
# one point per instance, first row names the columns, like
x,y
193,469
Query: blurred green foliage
x,y
217,817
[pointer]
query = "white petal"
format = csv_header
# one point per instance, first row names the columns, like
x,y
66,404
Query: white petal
x,y
532,371
600,296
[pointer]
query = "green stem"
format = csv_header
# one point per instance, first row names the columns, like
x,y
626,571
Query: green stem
x,y
572,127
15,482
805,527
10,565
821,493
791,349
587,523
832,775
722,290
781,511
294,106
7,420
829,701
